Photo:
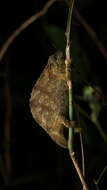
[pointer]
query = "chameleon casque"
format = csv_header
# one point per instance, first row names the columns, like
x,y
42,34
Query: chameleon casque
x,y
49,99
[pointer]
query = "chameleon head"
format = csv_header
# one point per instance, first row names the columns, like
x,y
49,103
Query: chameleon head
x,y
57,63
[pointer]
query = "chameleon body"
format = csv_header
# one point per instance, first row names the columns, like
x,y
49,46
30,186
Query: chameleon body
x,y
49,99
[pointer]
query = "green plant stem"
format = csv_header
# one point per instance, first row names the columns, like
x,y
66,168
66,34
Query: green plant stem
x,y
100,130
96,182
68,72
96,123
101,175
68,28
71,131
68,63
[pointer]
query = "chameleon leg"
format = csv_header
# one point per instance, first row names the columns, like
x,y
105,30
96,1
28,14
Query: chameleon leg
x,y
67,123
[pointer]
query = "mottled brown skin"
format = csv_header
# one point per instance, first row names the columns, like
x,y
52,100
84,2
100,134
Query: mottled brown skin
x,y
49,99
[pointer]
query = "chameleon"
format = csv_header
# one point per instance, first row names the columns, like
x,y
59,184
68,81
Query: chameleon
x,y
49,99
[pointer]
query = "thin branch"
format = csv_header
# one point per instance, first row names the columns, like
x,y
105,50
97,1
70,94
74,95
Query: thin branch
x,y
96,123
82,147
23,26
101,175
82,152
68,63
72,156
99,128
92,33
96,182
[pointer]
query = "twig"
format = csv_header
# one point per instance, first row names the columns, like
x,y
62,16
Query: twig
x,y
96,123
96,182
68,63
23,26
72,155
101,175
82,147
92,33
99,128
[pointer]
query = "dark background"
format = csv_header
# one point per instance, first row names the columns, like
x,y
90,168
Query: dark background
x,y
36,162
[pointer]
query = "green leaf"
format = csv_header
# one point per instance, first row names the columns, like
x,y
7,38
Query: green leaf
x,y
94,103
